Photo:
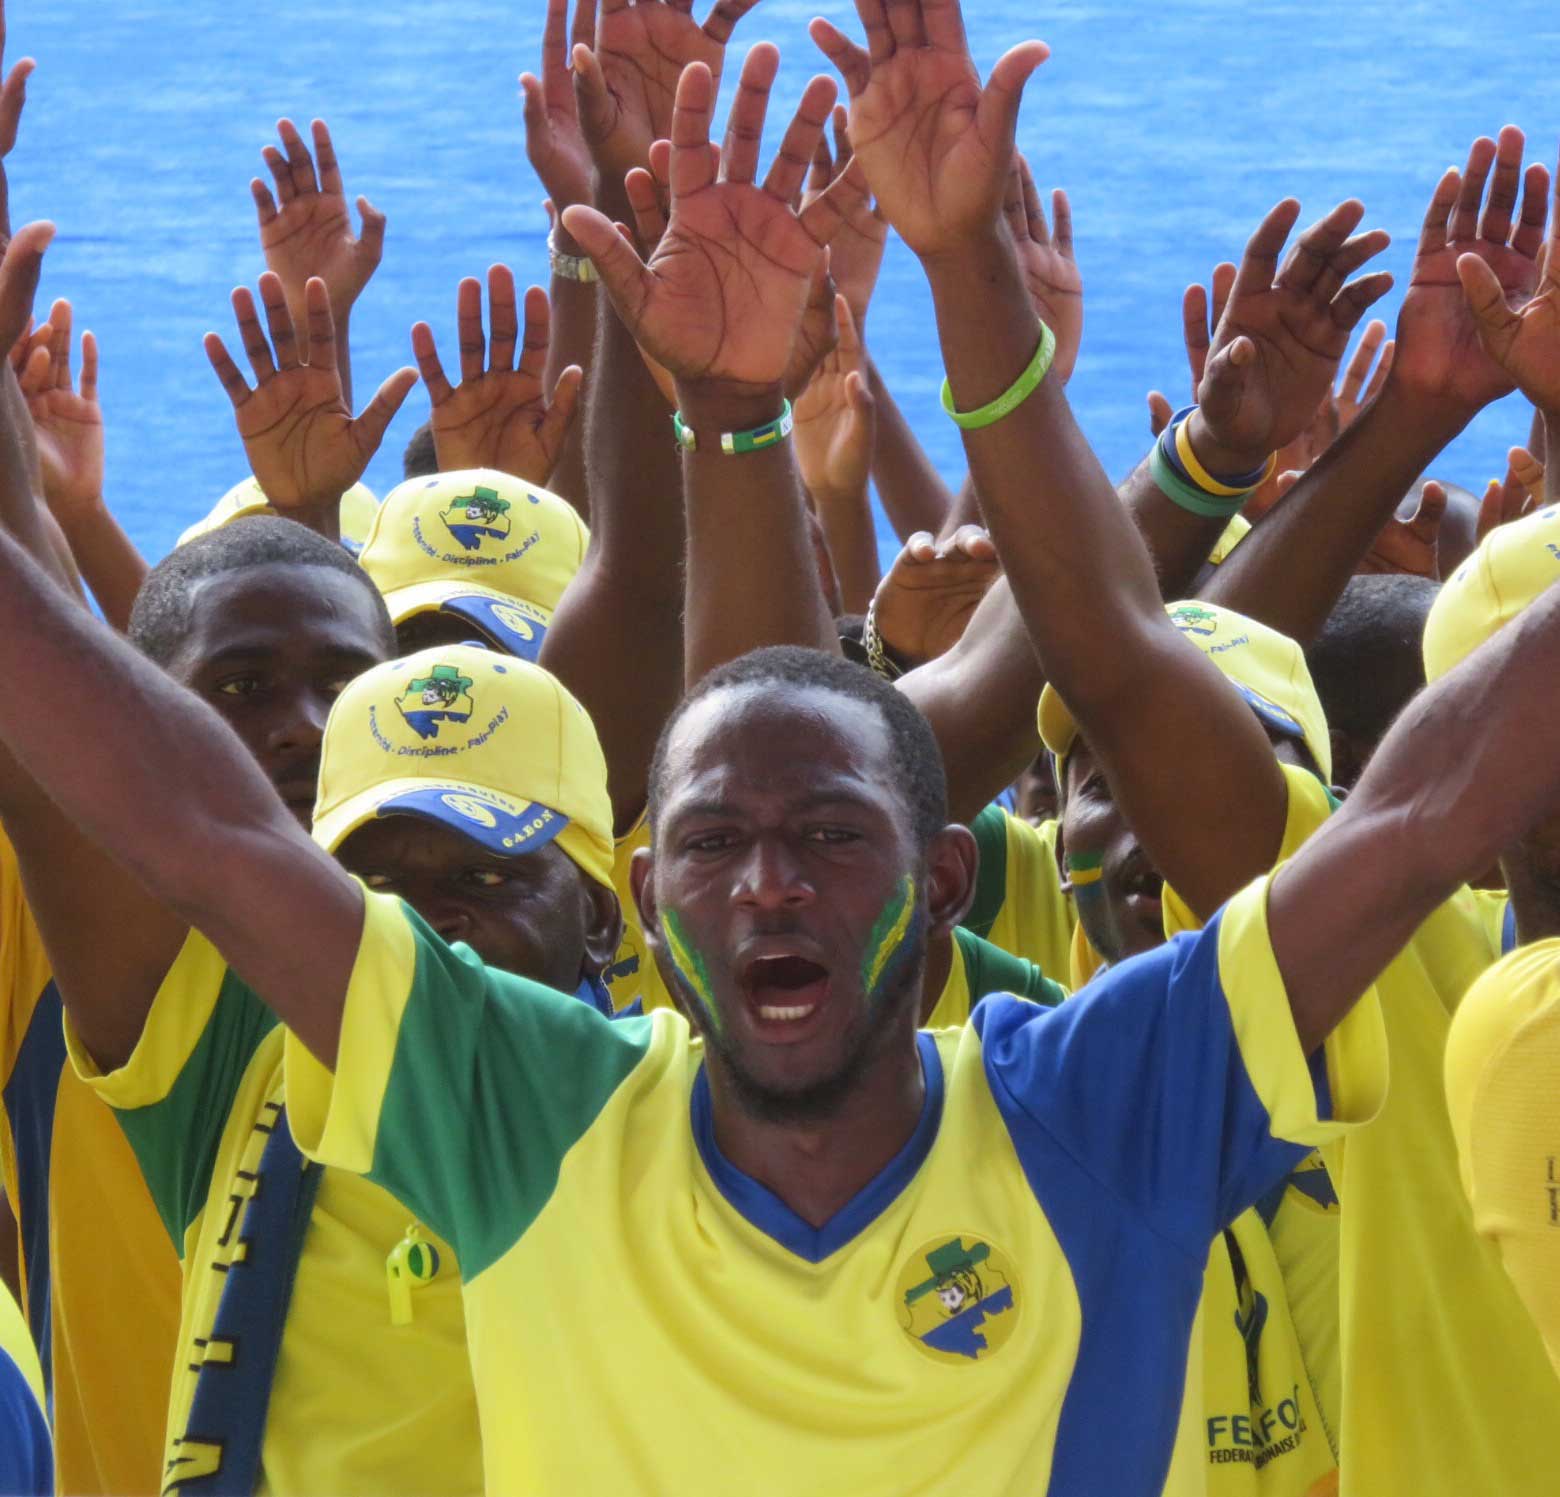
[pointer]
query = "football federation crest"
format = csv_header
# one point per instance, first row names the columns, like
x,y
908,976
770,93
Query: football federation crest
x,y
476,517
1190,619
955,1299
439,697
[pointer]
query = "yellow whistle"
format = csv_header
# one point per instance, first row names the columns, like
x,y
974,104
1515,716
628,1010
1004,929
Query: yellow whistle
x,y
411,1264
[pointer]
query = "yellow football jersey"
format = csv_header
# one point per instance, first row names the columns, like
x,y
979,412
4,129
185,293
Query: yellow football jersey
x,y
100,1281
358,1403
1005,1308
1446,1387
1019,905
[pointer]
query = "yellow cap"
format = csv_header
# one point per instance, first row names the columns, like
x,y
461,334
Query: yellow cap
x,y
1502,1069
1267,668
358,507
487,745
478,544
1512,566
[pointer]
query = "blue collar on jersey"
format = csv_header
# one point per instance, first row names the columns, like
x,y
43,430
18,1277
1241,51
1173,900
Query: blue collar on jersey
x,y
1508,931
766,1211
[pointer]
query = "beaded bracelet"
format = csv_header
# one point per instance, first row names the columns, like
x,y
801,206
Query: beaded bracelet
x,y
570,267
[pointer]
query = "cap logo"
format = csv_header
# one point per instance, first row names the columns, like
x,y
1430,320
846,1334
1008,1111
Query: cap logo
x,y
478,516
471,808
1190,619
517,622
442,696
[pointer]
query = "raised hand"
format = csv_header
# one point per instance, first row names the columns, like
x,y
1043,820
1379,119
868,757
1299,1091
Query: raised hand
x,y
1050,271
924,603
1354,394
626,84
1508,499
68,422
303,445
13,95
936,146
836,419
499,416
1411,545
554,144
310,234
1283,332
1445,357
856,251
1522,339
721,297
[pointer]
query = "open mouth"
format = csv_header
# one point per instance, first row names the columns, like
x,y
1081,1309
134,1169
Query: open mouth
x,y
784,989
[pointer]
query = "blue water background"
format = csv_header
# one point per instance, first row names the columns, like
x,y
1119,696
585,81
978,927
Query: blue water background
x,y
1173,127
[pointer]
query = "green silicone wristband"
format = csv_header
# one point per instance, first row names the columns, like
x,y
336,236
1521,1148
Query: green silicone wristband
x,y
735,442
1011,398
1179,491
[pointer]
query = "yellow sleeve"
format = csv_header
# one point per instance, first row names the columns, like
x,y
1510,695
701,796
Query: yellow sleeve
x,y
1036,918
1503,1093
633,973
24,965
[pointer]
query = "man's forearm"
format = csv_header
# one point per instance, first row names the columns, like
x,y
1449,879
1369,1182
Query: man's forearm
x,y
108,559
751,576
913,494
1464,772
573,341
1293,567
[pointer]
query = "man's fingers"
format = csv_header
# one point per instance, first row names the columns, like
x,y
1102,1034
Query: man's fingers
x,y
904,23
1481,286
592,99
584,32
299,163
1062,223
1495,225
1194,330
1360,362
561,410
849,344
1224,274
12,97
1159,412
265,204
468,328
1306,263
1529,237
944,22
1358,297
745,123
851,61
89,370
1433,231
622,272
1527,471
802,136
1464,222
251,335
824,215
996,115
504,318
645,202
690,169
369,429
1348,258
59,345
371,237
226,370
1383,369
1431,508
278,320
538,331
724,18
968,543
426,352
281,173
1259,264
325,159
1034,214
322,326
880,37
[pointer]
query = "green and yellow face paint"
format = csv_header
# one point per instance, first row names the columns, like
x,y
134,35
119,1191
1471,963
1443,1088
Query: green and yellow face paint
x,y
1085,869
888,934
690,964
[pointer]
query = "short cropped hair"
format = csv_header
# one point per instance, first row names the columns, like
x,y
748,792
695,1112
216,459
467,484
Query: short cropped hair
x,y
917,759
420,460
1368,662
161,615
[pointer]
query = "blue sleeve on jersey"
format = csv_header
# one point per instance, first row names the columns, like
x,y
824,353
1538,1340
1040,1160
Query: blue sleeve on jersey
x,y
1139,1080
26,1455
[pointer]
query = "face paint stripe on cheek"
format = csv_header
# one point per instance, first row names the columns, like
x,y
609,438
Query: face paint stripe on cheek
x,y
888,932
689,964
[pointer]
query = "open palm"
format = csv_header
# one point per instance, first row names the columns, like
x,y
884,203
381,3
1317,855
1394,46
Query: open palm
x,y
1440,352
722,296
934,144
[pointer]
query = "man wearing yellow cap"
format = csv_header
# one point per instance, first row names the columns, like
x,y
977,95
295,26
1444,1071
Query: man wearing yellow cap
x,y
470,784
473,554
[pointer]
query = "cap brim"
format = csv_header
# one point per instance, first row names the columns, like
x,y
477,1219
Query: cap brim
x,y
516,626
502,825
1270,712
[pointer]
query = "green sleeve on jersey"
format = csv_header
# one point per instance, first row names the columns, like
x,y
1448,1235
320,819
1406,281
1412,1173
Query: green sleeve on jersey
x,y
175,1141
989,969
990,830
494,1079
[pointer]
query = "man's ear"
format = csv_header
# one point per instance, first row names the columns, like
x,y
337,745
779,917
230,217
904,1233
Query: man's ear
x,y
603,926
641,884
952,861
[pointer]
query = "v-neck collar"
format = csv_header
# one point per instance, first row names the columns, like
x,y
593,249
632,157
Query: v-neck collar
x,y
765,1210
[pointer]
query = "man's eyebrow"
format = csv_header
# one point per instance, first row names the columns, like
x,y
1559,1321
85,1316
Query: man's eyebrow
x,y
841,794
